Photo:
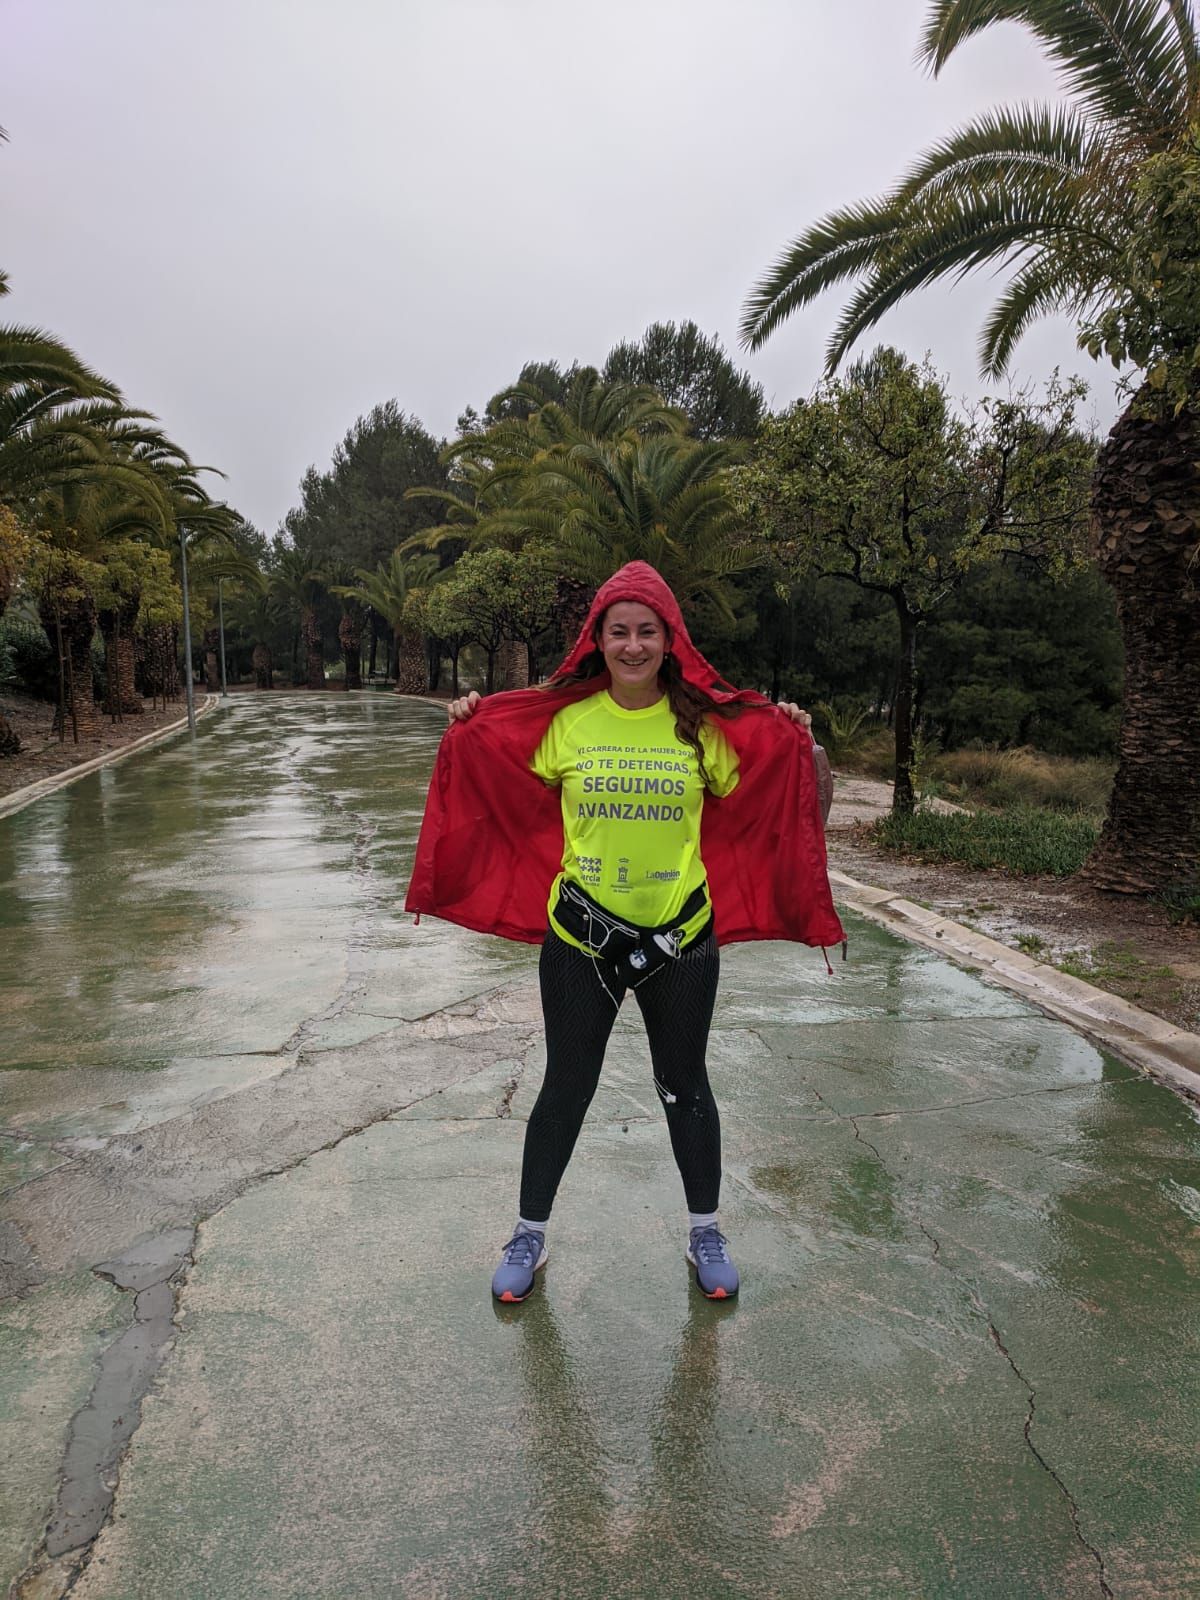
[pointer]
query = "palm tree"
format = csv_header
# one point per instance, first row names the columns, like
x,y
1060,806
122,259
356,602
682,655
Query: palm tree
x,y
298,581
339,575
16,549
56,414
110,479
663,499
488,467
1095,205
254,613
395,589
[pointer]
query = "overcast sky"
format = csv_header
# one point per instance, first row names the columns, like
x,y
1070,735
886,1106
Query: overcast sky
x,y
262,217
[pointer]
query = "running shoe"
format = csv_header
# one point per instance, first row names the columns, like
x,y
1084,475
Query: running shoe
x,y
523,1255
716,1275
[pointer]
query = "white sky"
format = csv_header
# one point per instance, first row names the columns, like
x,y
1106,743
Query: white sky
x,y
262,217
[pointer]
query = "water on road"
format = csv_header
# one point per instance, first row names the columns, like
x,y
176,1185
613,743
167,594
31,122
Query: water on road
x,y
174,924
964,1362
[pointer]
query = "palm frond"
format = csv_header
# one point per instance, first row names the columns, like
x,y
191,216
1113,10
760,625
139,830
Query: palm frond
x,y
1024,143
31,356
1120,57
1036,291
994,227
1189,44
841,246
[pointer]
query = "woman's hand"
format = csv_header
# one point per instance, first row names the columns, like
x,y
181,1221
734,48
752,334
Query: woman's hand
x,y
801,718
460,710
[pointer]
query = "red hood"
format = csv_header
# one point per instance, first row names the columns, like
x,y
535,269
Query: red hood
x,y
637,580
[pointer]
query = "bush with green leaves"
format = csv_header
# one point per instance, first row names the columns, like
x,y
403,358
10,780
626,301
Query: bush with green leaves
x,y
1002,778
26,658
1182,901
1025,840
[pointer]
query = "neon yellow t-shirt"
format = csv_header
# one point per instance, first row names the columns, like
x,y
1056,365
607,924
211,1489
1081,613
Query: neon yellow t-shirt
x,y
631,801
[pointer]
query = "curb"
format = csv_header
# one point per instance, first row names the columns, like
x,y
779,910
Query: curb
x,y
1154,1046
20,798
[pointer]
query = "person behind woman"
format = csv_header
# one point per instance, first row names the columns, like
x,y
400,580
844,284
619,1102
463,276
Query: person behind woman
x,y
636,743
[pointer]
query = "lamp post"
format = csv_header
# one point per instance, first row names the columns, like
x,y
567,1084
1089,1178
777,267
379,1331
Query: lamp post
x,y
187,634
221,626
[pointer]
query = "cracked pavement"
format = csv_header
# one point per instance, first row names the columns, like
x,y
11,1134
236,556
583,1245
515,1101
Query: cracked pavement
x,y
246,1344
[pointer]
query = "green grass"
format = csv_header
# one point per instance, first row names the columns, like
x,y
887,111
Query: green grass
x,y
1182,901
1118,969
988,777
1027,840
1023,777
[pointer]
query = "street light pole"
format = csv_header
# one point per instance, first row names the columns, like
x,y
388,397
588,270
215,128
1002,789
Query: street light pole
x,y
187,634
221,626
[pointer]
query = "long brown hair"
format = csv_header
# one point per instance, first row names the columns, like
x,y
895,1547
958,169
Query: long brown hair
x,y
688,701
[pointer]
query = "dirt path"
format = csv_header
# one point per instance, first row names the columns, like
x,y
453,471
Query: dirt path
x,y
44,755
1128,948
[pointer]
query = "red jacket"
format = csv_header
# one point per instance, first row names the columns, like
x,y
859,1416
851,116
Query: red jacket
x,y
492,839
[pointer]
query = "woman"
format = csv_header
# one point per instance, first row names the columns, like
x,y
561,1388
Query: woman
x,y
593,791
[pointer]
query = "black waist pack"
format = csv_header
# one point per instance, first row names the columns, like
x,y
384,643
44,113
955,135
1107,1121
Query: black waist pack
x,y
636,949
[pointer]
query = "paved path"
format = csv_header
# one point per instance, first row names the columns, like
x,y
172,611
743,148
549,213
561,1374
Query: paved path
x,y
964,1363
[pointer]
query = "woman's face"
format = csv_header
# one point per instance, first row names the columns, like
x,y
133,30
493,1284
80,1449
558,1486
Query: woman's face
x,y
633,640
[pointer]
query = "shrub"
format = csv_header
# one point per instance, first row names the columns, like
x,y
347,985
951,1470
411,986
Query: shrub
x,y
872,754
1182,901
840,722
1024,839
1026,777
27,658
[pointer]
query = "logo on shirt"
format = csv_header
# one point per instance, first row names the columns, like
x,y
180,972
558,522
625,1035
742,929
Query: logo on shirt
x,y
589,868
623,870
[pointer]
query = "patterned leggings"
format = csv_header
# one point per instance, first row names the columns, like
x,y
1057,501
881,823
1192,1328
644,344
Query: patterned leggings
x,y
676,1004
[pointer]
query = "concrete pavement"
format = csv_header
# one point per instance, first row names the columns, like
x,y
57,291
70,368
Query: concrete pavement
x,y
964,1362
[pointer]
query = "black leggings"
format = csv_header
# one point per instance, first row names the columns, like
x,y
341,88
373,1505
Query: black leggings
x,y
676,1002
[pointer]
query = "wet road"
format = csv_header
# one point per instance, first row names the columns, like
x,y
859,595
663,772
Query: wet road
x,y
173,924
964,1363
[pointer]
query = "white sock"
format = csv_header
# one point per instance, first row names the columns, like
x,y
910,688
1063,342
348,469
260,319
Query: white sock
x,y
531,1227
701,1219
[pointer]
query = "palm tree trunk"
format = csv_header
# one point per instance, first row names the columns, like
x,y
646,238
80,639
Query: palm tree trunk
x,y
410,663
513,664
261,659
350,639
572,602
131,701
10,743
159,662
212,667
1146,529
71,614
903,797
314,649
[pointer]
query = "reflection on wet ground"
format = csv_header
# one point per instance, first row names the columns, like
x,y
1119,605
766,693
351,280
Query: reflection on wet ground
x,y
172,924
964,1362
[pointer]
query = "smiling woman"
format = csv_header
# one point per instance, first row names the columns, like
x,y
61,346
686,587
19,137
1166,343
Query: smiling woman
x,y
619,893
633,641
